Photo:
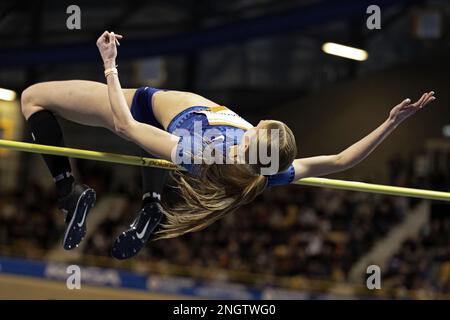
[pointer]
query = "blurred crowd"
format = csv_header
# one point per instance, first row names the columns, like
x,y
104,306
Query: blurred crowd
x,y
29,220
286,231
423,263
289,231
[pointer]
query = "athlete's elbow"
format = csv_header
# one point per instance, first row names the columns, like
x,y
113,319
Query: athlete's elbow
x,y
343,162
123,128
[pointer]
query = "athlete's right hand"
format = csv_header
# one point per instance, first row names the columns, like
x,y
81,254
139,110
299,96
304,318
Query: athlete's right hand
x,y
107,45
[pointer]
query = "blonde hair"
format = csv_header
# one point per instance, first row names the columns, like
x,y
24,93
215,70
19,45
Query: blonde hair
x,y
220,189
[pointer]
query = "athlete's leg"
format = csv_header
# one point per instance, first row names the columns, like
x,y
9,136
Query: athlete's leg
x,y
85,102
133,239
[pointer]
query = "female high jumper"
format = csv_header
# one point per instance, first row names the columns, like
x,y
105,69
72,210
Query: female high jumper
x,y
153,119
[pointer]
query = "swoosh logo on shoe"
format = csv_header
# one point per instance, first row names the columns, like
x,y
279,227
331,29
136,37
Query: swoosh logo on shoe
x,y
141,234
84,216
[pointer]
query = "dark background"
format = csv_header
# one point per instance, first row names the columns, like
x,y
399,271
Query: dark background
x,y
262,59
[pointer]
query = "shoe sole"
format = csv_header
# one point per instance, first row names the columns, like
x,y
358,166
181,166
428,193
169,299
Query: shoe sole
x,y
84,204
128,244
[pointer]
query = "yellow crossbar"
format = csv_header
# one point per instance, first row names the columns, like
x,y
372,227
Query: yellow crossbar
x,y
157,163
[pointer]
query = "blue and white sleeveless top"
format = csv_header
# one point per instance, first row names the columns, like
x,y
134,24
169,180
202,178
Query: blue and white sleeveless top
x,y
222,128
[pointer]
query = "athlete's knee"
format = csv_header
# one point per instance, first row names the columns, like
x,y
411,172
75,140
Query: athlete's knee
x,y
28,100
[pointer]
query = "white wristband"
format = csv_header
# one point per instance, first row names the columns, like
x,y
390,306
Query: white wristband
x,y
110,71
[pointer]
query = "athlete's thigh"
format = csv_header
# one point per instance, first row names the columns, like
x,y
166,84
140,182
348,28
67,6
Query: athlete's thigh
x,y
81,101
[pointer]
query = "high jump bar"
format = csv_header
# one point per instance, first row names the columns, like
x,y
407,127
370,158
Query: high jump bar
x,y
158,163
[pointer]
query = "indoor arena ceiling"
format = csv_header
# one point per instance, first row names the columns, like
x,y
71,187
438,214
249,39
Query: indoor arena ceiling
x,y
35,33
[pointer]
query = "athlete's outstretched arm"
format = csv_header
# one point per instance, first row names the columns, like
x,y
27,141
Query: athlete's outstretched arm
x,y
323,165
154,140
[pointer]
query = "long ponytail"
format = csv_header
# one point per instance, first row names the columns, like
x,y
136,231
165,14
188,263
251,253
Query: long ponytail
x,y
204,199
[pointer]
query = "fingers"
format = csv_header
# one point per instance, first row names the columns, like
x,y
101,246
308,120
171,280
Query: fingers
x,y
103,37
109,37
405,103
420,101
430,98
116,37
425,99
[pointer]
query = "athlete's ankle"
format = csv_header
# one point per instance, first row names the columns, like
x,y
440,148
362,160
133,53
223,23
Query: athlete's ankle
x,y
64,186
150,197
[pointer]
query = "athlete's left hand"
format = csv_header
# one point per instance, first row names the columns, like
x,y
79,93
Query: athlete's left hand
x,y
406,109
